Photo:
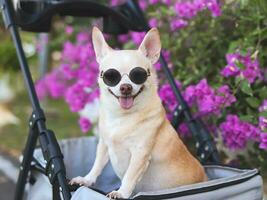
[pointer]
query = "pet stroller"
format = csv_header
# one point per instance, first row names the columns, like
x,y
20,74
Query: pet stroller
x,y
44,173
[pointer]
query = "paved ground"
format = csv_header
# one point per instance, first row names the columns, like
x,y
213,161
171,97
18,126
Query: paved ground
x,y
7,187
8,176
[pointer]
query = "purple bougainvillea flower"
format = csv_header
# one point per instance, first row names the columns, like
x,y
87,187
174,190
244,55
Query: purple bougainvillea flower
x,y
123,38
232,58
178,24
183,130
236,133
250,70
214,7
116,2
69,30
154,1
167,96
199,5
83,37
263,107
68,54
226,97
232,132
202,88
41,89
208,100
68,71
85,124
143,4
75,79
189,95
207,105
189,9
230,70
137,37
153,22
55,84
263,141
253,132
263,123
76,97
185,9
167,2
157,66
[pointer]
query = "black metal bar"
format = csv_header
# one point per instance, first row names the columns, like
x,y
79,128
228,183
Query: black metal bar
x,y
48,142
63,186
177,117
171,80
55,191
10,24
55,169
26,164
199,132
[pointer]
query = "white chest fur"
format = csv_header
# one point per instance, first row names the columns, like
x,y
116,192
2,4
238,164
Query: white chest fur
x,y
116,136
126,134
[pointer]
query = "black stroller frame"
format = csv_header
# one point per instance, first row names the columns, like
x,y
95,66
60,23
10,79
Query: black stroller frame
x,y
117,20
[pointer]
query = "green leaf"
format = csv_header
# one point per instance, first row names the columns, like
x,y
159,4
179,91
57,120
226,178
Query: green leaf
x,y
264,113
247,118
246,88
263,92
233,46
263,5
243,52
129,45
244,3
240,65
238,80
253,102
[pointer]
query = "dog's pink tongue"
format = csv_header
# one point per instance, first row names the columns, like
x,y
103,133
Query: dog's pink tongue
x,y
126,102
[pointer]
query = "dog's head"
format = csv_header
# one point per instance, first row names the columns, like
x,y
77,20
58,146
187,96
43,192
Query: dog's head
x,y
127,78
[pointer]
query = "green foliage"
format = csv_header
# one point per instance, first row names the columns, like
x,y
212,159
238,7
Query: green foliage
x,y
8,57
9,61
198,51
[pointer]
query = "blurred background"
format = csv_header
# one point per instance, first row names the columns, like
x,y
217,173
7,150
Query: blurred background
x,y
217,51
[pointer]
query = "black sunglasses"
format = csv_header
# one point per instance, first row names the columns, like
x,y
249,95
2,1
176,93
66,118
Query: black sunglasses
x,y
112,77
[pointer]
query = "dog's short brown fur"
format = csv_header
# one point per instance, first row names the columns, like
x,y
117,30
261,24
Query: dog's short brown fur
x,y
144,149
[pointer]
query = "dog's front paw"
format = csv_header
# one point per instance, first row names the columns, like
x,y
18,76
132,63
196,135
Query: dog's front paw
x,y
115,195
82,181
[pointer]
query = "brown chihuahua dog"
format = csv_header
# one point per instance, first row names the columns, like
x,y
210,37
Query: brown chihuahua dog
x,y
135,135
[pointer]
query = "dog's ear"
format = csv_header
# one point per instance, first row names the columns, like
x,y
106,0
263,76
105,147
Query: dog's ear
x,y
151,45
100,46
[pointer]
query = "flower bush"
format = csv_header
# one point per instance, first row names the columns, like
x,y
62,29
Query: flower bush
x,y
217,53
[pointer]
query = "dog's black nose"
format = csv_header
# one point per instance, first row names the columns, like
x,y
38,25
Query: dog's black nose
x,y
126,89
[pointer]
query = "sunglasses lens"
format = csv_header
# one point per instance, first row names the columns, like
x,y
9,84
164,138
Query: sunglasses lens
x,y
138,75
111,77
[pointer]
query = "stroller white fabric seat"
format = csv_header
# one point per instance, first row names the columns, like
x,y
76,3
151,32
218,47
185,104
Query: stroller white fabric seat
x,y
225,183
